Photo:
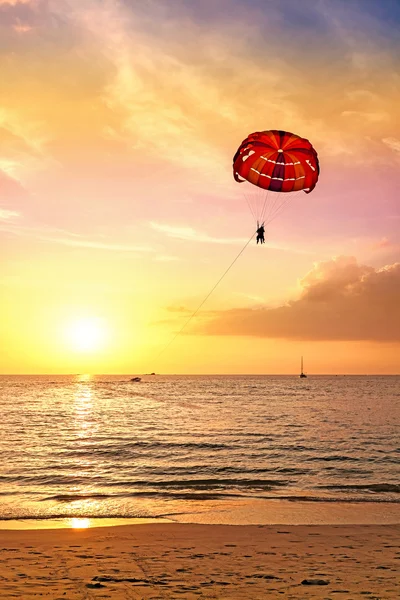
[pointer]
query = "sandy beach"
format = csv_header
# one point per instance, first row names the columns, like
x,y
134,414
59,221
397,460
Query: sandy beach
x,y
149,561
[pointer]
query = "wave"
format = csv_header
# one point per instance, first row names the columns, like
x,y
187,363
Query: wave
x,y
372,487
341,499
78,497
204,483
188,493
348,470
58,516
155,483
67,498
334,457
127,449
50,479
133,512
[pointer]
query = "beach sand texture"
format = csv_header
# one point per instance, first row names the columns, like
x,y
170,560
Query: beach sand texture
x,y
158,561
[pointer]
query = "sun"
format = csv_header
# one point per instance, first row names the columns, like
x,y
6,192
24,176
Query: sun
x,y
86,334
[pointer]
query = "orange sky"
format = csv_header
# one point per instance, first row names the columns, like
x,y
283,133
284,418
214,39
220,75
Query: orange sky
x,y
119,212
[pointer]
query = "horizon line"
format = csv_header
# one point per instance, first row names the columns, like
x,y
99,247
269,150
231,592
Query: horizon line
x,y
199,374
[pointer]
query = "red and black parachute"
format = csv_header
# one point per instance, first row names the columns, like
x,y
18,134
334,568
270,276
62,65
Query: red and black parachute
x,y
279,161
276,161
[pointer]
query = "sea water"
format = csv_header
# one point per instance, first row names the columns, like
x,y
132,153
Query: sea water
x,y
234,449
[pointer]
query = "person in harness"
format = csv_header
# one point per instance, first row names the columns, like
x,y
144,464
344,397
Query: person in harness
x,y
260,233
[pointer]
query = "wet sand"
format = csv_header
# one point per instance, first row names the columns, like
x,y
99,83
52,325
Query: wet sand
x,y
158,561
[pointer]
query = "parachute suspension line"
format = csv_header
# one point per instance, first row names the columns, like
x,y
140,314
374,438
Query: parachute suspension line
x,y
279,209
271,207
262,215
250,207
266,208
206,298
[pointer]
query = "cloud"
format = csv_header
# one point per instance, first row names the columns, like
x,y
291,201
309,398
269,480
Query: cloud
x,y
185,104
14,2
22,144
8,214
132,79
8,167
340,300
372,117
125,91
95,245
12,193
189,234
159,99
382,243
166,258
21,27
63,237
179,309
392,143
257,300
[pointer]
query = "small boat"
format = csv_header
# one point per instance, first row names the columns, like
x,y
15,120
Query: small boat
x,y
136,379
301,370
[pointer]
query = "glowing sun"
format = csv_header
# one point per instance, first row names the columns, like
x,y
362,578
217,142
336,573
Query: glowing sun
x,y
86,335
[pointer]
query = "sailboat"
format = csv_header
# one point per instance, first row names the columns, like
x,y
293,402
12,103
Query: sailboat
x,y
301,372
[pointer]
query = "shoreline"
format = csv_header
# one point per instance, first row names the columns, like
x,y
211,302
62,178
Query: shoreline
x,y
176,560
254,512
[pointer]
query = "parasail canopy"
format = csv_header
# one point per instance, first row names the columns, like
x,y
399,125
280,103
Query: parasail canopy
x,y
278,161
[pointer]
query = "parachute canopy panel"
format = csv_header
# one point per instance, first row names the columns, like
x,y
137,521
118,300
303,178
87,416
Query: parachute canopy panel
x,y
278,161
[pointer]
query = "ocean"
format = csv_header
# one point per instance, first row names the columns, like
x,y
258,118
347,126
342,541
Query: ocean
x,y
233,449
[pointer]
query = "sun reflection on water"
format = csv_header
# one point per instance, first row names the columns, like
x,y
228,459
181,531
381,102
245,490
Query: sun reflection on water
x,y
84,425
83,397
80,523
84,377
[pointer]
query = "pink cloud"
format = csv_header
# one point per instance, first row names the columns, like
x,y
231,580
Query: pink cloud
x,y
14,2
21,28
11,190
383,243
340,300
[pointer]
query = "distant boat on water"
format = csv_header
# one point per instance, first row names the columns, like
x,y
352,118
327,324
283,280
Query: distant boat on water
x,y
301,370
136,379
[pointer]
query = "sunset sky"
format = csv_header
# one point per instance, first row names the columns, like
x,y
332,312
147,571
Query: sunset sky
x,y
119,120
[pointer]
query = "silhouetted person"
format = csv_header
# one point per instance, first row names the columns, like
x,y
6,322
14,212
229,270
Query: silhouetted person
x,y
260,235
